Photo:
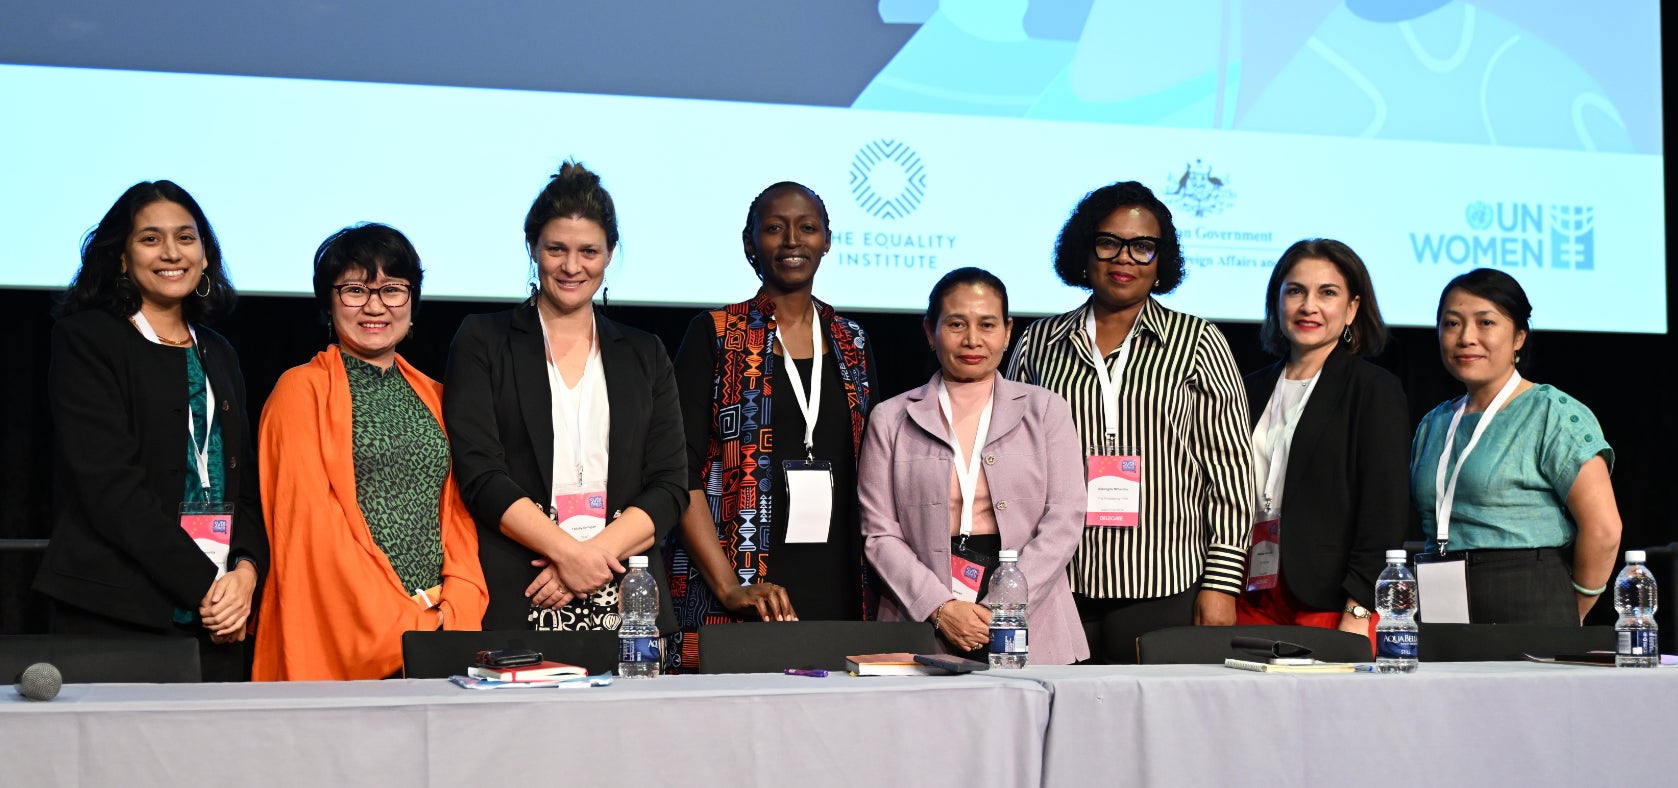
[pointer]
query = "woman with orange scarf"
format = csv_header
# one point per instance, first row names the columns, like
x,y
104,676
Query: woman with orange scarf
x,y
369,536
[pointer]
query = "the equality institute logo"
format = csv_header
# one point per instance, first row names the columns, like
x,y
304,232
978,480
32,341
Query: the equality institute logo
x,y
1198,191
888,179
1516,235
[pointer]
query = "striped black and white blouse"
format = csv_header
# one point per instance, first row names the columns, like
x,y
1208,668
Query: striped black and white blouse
x,y
1182,405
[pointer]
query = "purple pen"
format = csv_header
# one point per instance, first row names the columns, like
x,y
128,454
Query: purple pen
x,y
811,672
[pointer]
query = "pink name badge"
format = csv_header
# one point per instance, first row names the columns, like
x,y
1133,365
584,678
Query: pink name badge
x,y
964,578
211,527
1114,486
581,514
1264,558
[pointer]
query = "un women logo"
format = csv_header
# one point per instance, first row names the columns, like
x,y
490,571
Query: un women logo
x,y
888,179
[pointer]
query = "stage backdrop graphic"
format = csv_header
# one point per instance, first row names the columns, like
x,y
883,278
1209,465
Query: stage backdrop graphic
x,y
1431,136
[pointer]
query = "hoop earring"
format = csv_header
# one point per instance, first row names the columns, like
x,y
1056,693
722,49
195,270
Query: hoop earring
x,y
1346,334
205,281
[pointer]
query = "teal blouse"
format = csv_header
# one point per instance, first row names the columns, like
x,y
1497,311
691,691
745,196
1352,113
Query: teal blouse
x,y
1513,490
197,401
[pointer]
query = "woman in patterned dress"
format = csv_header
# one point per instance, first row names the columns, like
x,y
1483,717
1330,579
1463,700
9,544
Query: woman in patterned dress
x,y
369,534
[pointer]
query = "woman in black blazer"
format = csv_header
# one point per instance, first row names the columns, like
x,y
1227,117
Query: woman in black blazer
x,y
1330,447
148,407
523,401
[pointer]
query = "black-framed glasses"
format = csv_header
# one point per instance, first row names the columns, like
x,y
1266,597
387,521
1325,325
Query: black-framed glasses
x,y
1142,248
355,295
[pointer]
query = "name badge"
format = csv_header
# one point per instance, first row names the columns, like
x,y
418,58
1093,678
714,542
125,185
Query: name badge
x,y
1113,484
581,510
809,500
1442,584
965,578
210,524
1264,558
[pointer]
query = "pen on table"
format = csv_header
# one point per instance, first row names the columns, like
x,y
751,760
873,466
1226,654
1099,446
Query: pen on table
x,y
1365,668
817,673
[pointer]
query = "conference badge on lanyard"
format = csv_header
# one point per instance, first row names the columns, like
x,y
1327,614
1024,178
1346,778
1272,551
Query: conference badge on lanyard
x,y
1113,473
210,524
1264,558
580,509
809,481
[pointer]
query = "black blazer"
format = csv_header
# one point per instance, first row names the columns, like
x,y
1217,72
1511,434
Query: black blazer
x,y
119,409
1346,493
499,413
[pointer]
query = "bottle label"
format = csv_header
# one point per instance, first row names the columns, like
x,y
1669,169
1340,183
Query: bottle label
x,y
1395,644
1008,641
1638,643
637,649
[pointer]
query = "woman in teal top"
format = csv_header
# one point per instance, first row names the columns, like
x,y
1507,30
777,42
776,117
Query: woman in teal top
x,y
1525,484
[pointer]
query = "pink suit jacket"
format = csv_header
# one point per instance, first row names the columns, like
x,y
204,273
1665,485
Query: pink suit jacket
x,y
1035,471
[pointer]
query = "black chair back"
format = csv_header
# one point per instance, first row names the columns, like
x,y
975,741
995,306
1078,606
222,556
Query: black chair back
x,y
771,647
89,659
1507,642
1210,645
439,655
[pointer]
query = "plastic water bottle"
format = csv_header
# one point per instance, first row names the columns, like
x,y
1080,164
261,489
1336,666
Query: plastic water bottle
x,y
638,631
1637,639
1395,601
1007,600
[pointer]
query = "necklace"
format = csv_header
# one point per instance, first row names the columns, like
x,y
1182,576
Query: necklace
x,y
165,340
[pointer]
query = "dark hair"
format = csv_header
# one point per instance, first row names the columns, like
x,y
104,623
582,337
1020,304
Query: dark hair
x,y
956,278
763,196
1369,331
572,193
368,248
1502,290
100,282
1077,238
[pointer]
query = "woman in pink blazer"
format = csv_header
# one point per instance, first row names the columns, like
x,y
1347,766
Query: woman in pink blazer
x,y
934,517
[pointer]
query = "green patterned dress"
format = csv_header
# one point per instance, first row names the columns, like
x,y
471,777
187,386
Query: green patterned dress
x,y
401,464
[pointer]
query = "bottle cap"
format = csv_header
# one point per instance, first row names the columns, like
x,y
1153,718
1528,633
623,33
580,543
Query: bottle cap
x,y
1397,555
1636,557
1007,556
637,562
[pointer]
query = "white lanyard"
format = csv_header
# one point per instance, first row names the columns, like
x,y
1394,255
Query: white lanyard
x,y
811,405
575,417
1109,382
1447,493
1283,439
202,453
967,473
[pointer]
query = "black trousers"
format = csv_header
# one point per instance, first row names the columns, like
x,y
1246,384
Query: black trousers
x,y
1113,625
1532,586
226,662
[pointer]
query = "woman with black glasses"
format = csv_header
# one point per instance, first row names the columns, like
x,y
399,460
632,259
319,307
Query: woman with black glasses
x,y
1162,417
369,534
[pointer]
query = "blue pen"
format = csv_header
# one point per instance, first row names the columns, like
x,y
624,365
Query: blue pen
x,y
817,673
1366,668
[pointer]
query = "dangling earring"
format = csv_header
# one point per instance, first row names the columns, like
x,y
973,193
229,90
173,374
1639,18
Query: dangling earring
x,y
1346,334
205,281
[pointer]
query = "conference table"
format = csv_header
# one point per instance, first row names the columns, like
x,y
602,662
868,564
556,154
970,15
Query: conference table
x,y
1163,725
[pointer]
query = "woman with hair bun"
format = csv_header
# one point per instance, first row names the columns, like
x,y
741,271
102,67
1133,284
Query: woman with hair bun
x,y
1512,476
775,391
566,432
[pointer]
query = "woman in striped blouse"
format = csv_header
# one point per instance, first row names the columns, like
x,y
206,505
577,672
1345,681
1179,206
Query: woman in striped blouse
x,y
1167,403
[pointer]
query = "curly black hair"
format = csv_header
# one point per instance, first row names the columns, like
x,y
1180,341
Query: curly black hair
x,y
100,282
1074,246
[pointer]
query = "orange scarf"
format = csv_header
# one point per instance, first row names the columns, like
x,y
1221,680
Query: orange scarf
x,y
333,607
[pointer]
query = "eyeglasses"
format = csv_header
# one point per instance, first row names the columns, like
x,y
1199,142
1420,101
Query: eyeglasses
x,y
1142,248
354,295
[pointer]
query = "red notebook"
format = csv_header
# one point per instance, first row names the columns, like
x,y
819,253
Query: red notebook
x,y
541,671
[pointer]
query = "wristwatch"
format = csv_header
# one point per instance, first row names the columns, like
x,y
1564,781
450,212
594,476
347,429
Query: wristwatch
x,y
1357,610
